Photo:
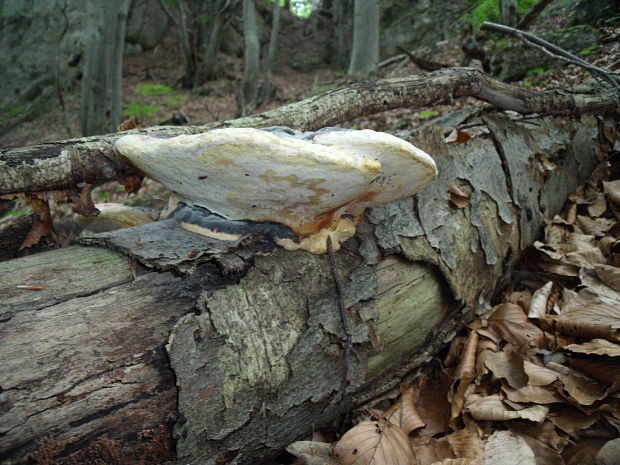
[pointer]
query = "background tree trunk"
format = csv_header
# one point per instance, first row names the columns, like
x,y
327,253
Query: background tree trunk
x,y
251,59
214,21
244,349
101,88
509,14
365,52
341,32
271,53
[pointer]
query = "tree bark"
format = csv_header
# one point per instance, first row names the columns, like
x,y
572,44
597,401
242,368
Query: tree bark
x,y
365,52
67,164
509,14
244,350
251,59
271,53
101,90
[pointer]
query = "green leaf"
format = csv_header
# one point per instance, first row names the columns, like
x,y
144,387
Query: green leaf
x,y
427,114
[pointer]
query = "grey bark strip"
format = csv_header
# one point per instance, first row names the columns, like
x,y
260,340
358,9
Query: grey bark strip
x,y
66,164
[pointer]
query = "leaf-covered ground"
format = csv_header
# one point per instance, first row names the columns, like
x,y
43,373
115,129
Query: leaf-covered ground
x,y
535,379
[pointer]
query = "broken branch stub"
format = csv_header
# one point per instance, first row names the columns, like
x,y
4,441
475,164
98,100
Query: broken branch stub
x,y
317,184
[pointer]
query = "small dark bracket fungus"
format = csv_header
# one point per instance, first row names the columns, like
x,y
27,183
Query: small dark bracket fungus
x,y
316,184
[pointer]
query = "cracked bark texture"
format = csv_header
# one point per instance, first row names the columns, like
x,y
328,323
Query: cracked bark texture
x,y
244,349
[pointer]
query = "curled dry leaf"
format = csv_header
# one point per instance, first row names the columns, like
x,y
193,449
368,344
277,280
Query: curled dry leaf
x,y
404,414
505,448
596,347
612,191
582,390
314,453
432,403
603,369
508,366
529,393
594,320
584,452
544,432
374,443
598,206
458,137
544,455
595,226
42,226
511,323
492,408
538,304
538,375
571,420
466,443
610,275
457,197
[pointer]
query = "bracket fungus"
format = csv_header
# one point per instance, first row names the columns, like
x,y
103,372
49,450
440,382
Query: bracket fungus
x,y
302,187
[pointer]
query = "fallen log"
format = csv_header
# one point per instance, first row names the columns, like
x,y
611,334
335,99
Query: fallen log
x,y
224,354
66,165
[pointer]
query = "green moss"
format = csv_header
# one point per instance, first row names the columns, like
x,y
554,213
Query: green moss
x,y
148,90
427,114
139,110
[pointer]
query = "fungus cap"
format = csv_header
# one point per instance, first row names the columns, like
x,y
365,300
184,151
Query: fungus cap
x,y
305,182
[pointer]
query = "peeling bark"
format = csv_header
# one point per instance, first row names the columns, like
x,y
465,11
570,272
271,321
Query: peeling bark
x,y
65,164
245,348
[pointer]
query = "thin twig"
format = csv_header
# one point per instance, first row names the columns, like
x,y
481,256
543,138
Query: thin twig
x,y
343,316
552,50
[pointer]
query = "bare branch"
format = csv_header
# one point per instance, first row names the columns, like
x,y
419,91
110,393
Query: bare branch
x,y
553,51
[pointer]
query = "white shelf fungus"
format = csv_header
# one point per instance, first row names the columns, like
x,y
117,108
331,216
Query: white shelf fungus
x,y
306,182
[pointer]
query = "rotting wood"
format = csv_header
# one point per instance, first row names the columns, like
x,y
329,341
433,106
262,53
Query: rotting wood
x,y
67,164
253,351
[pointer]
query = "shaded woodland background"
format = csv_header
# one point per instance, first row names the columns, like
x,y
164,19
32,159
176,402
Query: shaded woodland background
x,y
68,73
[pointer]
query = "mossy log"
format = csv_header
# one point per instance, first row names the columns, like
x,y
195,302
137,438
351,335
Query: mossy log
x,y
234,353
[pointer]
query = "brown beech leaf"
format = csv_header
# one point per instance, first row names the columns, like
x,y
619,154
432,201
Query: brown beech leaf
x,y
463,376
314,453
536,394
42,226
594,320
598,206
582,390
584,452
457,197
538,375
603,369
595,226
571,420
610,275
404,413
133,183
505,448
612,191
82,202
543,454
374,443
432,403
435,451
507,365
466,443
538,304
596,347
545,432
511,323
491,408
457,136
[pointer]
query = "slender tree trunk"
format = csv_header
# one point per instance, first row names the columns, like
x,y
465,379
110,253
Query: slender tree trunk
x,y
271,53
340,33
365,53
251,58
214,34
508,12
102,80
116,104
187,50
